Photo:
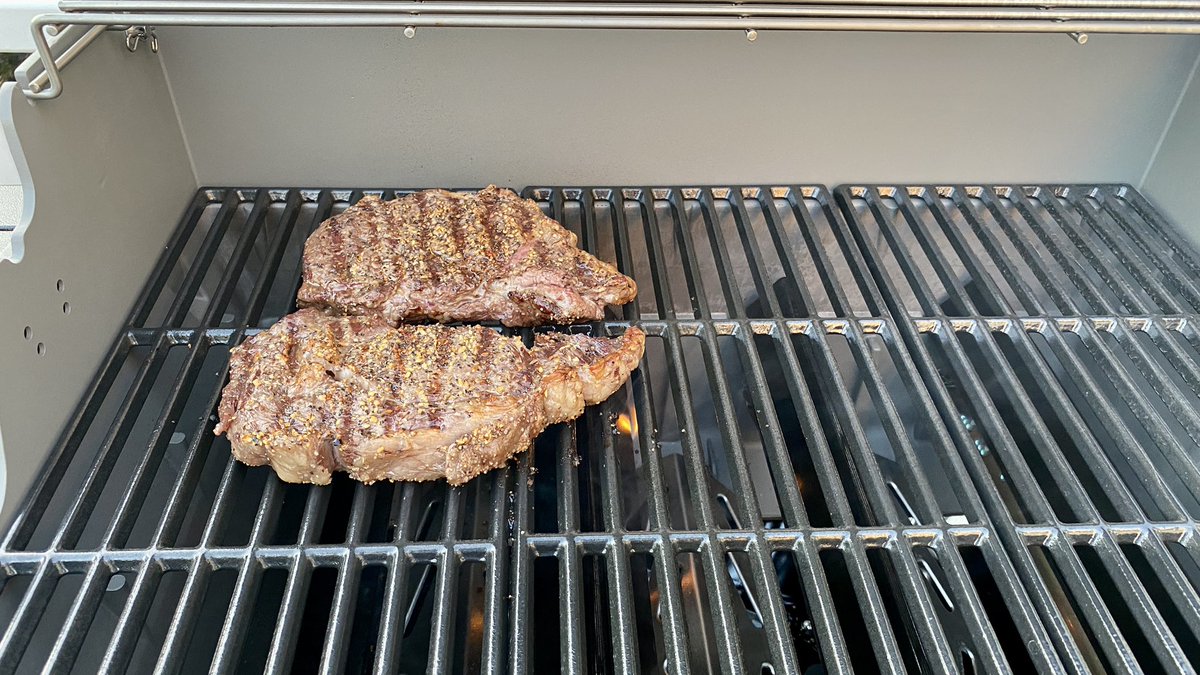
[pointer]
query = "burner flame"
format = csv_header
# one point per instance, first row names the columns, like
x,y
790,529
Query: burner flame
x,y
627,424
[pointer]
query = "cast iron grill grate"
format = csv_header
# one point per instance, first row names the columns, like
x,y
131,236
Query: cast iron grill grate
x,y
944,429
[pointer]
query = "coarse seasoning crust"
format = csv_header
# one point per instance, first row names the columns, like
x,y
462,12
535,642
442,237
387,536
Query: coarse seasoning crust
x,y
448,256
315,394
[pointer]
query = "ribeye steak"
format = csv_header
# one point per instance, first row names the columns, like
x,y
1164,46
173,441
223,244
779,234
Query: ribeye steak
x,y
450,257
315,394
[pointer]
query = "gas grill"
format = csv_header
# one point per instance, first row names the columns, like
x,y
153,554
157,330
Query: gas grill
x,y
923,427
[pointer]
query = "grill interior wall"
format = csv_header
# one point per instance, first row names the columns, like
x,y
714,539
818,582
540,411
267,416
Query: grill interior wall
x,y
956,424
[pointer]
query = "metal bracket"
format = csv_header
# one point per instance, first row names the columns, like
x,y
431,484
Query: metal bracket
x,y
135,35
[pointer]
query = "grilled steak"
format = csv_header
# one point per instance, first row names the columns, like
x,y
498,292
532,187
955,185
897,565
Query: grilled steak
x,y
452,257
316,394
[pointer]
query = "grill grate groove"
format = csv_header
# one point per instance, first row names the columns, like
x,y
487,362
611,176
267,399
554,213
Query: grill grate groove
x,y
954,423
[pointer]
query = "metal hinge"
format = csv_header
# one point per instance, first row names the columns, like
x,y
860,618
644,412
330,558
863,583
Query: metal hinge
x,y
135,35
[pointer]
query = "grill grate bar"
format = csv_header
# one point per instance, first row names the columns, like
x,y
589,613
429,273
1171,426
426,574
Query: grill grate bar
x,y
1170,261
1134,205
118,532
521,569
1129,260
1134,595
725,265
237,621
1033,256
166,264
751,469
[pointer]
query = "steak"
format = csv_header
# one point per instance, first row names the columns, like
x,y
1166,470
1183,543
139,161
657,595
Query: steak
x,y
447,256
316,394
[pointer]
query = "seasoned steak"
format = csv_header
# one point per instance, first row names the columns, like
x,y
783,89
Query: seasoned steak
x,y
453,257
316,394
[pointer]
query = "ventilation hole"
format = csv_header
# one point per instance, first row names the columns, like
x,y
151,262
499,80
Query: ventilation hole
x,y
28,333
41,348
59,285
66,308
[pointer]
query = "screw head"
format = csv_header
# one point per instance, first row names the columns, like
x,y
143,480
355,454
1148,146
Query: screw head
x,y
751,35
410,32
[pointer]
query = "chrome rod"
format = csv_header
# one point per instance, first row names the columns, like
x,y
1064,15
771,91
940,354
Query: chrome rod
x,y
393,5
674,9
661,16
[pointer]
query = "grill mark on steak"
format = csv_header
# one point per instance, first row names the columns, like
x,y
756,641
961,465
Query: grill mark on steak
x,y
463,399
449,257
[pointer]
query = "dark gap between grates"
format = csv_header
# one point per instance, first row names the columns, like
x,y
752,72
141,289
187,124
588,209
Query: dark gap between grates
x,y
1164,600
337,511
314,620
844,592
1187,562
922,435
1015,421
158,619
66,587
646,599
899,615
545,649
666,437
217,593
980,432
104,621
998,613
821,390
799,445
76,472
366,622
263,617
129,447
466,655
1084,630
597,614
801,623
544,480
694,586
1104,583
